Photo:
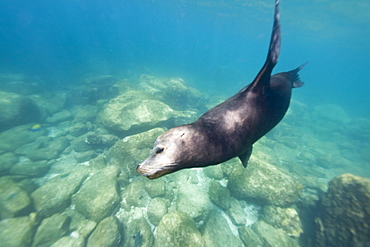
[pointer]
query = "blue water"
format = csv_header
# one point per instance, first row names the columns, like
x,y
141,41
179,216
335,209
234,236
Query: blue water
x,y
217,46
78,55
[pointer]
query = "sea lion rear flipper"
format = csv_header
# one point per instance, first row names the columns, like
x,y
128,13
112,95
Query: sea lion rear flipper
x,y
244,157
263,77
294,76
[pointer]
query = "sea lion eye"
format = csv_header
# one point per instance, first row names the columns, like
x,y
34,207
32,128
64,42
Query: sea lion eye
x,y
159,150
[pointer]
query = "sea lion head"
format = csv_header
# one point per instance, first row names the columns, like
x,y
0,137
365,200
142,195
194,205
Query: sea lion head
x,y
167,154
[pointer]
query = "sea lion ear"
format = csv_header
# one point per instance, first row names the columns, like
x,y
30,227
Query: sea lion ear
x,y
244,157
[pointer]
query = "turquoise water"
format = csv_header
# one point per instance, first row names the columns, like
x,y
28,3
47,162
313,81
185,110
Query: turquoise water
x,y
87,86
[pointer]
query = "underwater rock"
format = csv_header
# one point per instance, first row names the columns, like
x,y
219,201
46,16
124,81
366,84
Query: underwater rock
x,y
30,169
107,233
59,117
85,156
52,151
173,91
263,184
85,227
78,129
157,208
134,112
18,136
16,109
132,150
19,231
50,230
219,195
14,201
79,144
98,197
7,160
216,232
272,237
50,103
84,113
28,185
236,213
193,200
138,233
70,241
249,237
284,218
214,172
55,195
345,213
178,229
94,89
155,188
136,195
108,140
93,139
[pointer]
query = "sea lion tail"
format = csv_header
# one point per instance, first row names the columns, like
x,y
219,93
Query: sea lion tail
x,y
294,76
263,77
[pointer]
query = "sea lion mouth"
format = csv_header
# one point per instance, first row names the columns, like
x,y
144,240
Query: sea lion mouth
x,y
156,172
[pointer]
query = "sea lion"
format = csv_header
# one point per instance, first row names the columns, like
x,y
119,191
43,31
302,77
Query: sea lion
x,y
229,129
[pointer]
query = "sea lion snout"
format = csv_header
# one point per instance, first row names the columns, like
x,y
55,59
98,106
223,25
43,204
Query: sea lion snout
x,y
152,171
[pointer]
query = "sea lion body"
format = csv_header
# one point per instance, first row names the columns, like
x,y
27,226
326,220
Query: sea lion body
x,y
230,128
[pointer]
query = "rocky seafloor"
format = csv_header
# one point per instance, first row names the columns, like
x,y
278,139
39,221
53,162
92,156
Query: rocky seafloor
x,y
71,180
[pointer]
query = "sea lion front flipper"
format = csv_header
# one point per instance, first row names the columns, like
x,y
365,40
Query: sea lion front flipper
x,y
244,157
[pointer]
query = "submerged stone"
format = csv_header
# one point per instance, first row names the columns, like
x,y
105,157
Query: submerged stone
x,y
59,117
7,160
178,229
18,136
157,208
173,91
31,169
70,241
52,151
55,195
193,200
284,218
17,232
216,232
263,183
136,195
345,213
106,234
155,188
98,197
134,112
13,200
236,213
137,232
272,236
219,195
50,230
78,129
16,109
249,237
